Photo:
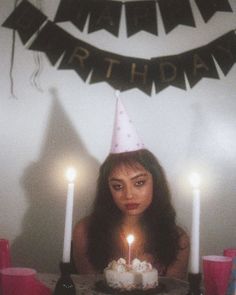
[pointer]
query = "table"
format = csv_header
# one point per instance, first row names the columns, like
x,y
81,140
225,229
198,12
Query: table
x,y
84,284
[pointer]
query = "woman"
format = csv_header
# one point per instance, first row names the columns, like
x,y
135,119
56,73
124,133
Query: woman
x,y
132,197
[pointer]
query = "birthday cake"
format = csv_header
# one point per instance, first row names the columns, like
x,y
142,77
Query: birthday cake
x,y
139,275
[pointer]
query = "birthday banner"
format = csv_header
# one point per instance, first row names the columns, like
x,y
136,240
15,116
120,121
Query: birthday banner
x,y
140,15
121,72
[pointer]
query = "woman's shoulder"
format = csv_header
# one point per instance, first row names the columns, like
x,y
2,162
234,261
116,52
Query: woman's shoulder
x,y
184,241
81,226
80,247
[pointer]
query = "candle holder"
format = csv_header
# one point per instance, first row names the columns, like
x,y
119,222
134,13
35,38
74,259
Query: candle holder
x,y
65,285
194,280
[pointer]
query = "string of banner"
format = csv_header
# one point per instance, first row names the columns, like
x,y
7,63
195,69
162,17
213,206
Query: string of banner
x,y
121,72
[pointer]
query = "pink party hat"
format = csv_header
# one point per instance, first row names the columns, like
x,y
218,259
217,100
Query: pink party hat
x,y
125,137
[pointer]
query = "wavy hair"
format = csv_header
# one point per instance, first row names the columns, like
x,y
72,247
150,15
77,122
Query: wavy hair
x,y
158,220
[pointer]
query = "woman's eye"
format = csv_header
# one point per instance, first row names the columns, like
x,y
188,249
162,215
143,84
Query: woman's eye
x,y
140,182
117,187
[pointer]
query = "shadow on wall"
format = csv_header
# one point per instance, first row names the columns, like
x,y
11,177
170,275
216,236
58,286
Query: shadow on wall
x,y
40,244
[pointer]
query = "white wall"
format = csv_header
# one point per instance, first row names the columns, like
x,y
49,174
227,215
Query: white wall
x,y
71,122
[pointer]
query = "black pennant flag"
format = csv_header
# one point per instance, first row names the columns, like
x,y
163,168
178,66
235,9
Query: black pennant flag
x,y
108,67
198,63
105,15
26,19
209,7
168,71
121,72
79,57
176,13
141,15
75,11
224,51
65,11
138,74
52,40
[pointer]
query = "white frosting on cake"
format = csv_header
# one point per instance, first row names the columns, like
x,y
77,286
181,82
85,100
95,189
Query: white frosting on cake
x,y
138,275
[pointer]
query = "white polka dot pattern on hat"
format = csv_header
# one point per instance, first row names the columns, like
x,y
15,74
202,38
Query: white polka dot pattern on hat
x,y
125,137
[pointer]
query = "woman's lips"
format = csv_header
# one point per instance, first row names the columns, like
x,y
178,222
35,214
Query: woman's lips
x,y
131,206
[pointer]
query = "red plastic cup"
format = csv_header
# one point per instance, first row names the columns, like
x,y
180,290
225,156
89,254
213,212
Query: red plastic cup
x,y
216,274
18,281
5,259
231,252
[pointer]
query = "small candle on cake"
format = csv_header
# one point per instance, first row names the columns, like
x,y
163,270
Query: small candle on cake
x,y
130,239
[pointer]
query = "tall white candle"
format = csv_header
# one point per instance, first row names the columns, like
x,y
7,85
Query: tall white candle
x,y
130,239
195,233
71,173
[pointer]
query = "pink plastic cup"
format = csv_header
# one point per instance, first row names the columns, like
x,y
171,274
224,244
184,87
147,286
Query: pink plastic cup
x,y
216,274
231,252
18,281
5,259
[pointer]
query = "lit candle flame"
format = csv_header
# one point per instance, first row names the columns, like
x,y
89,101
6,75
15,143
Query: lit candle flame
x,y
195,180
130,239
71,174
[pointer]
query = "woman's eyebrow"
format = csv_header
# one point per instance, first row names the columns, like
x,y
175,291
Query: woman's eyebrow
x,y
114,179
132,178
138,175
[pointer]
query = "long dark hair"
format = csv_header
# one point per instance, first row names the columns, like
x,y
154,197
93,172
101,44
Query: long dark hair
x,y
158,220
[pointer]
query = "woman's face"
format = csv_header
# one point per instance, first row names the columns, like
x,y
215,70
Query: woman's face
x,y
131,188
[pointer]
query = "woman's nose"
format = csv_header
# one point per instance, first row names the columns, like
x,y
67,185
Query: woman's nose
x,y
128,193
